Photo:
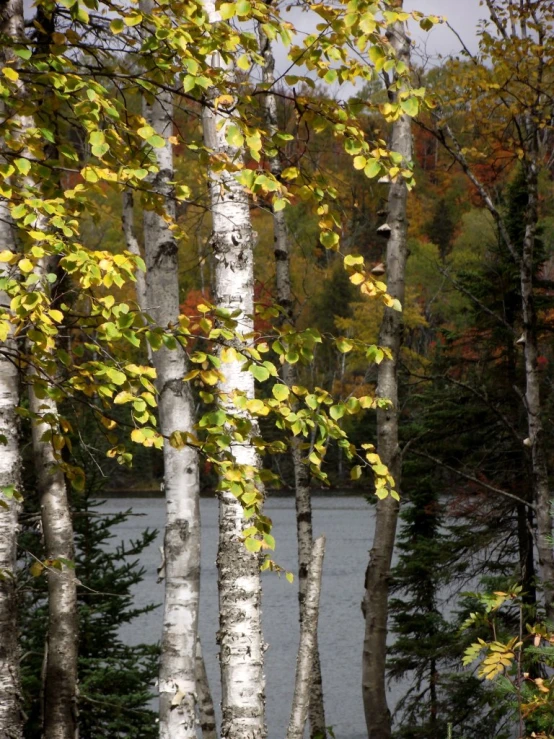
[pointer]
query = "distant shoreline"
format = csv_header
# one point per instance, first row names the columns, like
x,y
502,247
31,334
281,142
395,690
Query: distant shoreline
x,y
274,493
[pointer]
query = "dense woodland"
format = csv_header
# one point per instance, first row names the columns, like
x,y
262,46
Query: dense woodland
x,y
227,276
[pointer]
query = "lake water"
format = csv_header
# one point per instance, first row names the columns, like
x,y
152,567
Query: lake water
x,y
348,524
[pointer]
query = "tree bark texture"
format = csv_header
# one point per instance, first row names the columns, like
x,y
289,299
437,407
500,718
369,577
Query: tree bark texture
x,y
304,528
240,633
206,712
541,485
177,683
131,241
60,669
10,471
377,714
308,644
11,715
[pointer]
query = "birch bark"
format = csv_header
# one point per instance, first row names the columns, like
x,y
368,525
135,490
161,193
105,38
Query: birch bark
x,y
377,714
60,673
240,633
10,471
541,485
308,644
128,223
177,682
304,528
206,712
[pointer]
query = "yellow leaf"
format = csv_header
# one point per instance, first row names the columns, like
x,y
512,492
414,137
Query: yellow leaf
x,y
11,73
25,265
7,256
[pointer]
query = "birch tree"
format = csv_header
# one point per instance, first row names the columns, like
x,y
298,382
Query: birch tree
x,y
60,663
10,470
240,634
308,644
378,719
281,251
177,684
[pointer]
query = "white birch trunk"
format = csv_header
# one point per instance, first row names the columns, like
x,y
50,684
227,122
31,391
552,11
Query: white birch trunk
x,y
304,529
240,634
11,716
177,682
308,644
131,241
377,714
10,471
60,670
533,406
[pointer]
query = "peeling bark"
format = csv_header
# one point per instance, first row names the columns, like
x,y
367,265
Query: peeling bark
x,y
308,644
206,712
177,683
377,714
240,633
304,529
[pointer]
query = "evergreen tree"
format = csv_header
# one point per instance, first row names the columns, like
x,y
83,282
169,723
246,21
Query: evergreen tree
x,y
457,531
115,679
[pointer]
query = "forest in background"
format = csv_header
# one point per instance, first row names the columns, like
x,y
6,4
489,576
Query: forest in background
x,y
382,268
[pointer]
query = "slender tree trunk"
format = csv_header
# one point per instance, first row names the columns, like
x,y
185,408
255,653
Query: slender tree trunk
x,y
308,644
177,683
240,633
60,672
10,471
11,716
128,223
541,486
206,712
377,714
304,528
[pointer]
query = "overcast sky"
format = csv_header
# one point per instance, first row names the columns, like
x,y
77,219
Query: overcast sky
x,y
462,15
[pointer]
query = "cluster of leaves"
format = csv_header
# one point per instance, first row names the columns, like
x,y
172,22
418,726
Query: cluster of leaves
x,y
520,664
67,319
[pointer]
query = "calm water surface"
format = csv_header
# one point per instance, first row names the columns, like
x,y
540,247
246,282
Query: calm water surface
x,y
348,525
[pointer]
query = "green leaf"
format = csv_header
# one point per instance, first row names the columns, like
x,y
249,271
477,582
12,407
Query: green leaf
x,y
24,166
156,142
24,53
234,136
336,412
373,168
243,7
329,239
227,10
410,106
280,392
253,545
260,372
